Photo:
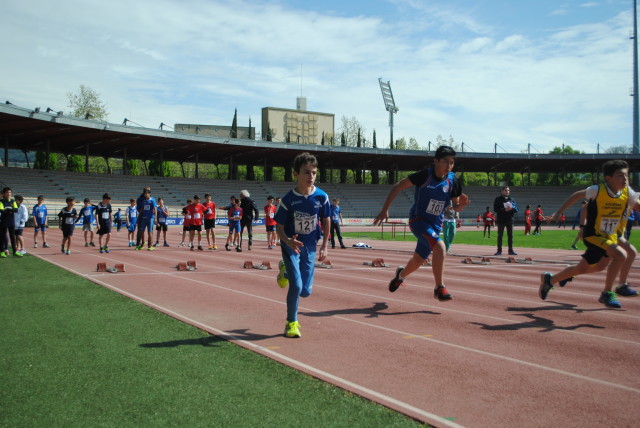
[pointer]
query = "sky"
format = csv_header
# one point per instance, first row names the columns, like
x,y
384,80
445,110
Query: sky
x,y
498,75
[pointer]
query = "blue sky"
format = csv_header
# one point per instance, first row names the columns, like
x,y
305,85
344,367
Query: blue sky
x,y
537,72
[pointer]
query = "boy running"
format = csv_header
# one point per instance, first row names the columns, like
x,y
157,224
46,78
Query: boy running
x,y
434,188
210,222
608,206
39,214
297,226
67,216
87,214
270,223
103,214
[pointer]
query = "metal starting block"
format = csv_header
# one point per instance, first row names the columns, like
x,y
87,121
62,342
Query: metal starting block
x,y
265,265
188,265
526,260
102,267
483,261
326,264
379,262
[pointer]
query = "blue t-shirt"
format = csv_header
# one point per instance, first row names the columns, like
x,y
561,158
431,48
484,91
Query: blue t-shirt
x,y
335,213
40,213
145,207
132,214
87,214
162,215
432,195
300,214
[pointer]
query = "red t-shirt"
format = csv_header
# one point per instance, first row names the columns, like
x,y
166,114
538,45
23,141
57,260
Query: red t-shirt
x,y
211,206
269,213
197,213
187,216
488,218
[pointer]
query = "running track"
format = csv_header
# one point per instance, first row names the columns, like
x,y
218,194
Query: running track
x,y
495,356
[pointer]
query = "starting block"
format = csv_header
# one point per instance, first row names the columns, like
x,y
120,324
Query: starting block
x,y
526,260
102,267
265,265
483,261
326,264
379,262
184,266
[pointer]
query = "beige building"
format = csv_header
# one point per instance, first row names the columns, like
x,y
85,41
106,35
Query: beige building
x,y
300,126
215,130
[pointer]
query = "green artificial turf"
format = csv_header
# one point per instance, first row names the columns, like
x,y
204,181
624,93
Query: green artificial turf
x,y
75,354
551,238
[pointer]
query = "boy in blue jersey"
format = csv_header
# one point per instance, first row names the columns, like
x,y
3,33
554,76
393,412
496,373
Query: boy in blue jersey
x,y
297,226
435,187
163,214
87,214
131,218
39,214
103,214
147,216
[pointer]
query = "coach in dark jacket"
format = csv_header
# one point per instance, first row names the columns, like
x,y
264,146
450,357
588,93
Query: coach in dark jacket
x,y
505,208
248,210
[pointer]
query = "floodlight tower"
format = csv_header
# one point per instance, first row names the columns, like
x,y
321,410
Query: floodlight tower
x,y
389,104
636,132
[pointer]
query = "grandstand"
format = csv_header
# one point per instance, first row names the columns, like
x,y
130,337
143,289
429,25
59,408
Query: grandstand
x,y
357,200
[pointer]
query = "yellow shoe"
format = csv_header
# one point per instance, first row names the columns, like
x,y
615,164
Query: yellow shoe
x,y
292,329
282,279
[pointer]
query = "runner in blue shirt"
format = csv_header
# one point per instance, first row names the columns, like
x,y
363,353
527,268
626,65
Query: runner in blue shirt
x,y
131,218
297,219
146,219
87,214
39,214
434,188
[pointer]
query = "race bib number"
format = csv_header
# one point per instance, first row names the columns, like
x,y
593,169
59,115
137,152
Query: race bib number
x,y
147,207
69,220
188,216
305,223
435,207
105,216
272,215
40,214
133,214
161,220
196,215
608,226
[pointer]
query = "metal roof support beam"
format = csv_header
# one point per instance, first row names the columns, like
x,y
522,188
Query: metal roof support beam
x,y
6,150
86,157
125,167
47,163
197,166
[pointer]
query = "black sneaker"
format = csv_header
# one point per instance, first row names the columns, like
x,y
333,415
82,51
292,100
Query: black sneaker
x,y
238,249
565,281
545,285
440,293
200,248
512,253
608,298
396,281
226,247
626,291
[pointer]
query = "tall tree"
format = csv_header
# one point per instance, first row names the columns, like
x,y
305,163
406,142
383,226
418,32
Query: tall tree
x,y
234,125
343,172
86,103
358,170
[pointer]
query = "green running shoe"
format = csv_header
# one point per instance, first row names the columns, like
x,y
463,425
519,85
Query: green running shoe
x,y
282,279
292,329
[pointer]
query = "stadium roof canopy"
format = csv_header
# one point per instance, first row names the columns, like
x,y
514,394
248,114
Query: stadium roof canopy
x,y
31,130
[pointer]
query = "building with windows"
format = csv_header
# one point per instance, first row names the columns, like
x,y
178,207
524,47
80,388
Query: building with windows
x,y
297,126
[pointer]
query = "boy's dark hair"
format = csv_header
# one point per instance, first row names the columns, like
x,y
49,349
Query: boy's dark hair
x,y
608,168
5,189
269,198
18,198
70,199
303,159
206,195
106,196
196,197
131,200
87,200
189,201
236,201
40,197
444,151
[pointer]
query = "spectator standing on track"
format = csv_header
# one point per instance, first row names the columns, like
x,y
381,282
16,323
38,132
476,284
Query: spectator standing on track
x,y
505,208
163,214
21,220
608,208
67,217
117,218
210,222
103,215
336,222
488,219
527,220
451,216
270,223
538,218
87,214
40,222
131,217
147,218
249,210
8,210
186,225
434,188
297,220
234,214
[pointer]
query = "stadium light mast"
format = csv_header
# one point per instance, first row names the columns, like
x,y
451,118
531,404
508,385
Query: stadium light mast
x,y
636,130
389,104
